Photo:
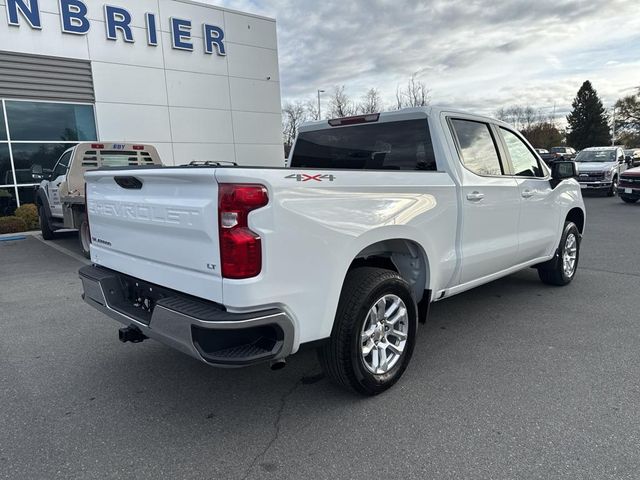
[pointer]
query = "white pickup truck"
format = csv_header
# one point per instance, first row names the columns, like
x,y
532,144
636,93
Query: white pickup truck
x,y
376,217
60,196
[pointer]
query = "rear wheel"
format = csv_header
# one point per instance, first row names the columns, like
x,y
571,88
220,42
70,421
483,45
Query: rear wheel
x,y
45,225
613,191
84,236
628,199
374,332
562,269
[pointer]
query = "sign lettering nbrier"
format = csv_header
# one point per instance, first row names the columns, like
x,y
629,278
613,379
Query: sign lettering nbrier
x,y
74,20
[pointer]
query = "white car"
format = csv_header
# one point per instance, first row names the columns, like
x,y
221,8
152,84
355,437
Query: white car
x,y
376,217
60,196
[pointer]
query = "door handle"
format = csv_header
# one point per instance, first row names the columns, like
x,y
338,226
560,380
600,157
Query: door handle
x,y
528,193
475,196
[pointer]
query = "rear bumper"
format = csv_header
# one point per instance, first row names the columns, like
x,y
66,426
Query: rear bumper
x,y
201,329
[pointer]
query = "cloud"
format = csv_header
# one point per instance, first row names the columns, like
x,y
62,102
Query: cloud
x,y
472,54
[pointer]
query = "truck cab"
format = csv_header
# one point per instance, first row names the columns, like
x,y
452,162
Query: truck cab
x,y
60,196
600,168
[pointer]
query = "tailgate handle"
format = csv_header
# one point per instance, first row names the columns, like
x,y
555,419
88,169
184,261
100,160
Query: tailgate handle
x,y
130,183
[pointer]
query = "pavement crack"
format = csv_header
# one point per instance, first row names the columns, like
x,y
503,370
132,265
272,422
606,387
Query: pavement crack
x,y
610,271
276,429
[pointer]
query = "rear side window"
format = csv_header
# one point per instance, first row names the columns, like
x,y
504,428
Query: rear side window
x,y
525,164
477,148
404,145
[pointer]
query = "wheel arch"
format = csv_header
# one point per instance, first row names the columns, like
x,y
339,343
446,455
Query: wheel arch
x,y
404,256
577,216
43,201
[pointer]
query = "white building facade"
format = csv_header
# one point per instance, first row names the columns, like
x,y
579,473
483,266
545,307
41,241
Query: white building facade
x,y
198,81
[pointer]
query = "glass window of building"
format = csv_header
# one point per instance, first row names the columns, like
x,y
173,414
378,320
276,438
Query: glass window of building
x,y
6,175
26,155
39,133
53,122
3,127
8,203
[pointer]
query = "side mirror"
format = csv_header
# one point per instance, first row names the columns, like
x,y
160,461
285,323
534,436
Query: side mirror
x,y
561,170
628,159
37,173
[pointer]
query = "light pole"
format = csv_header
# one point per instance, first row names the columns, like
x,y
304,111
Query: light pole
x,y
319,107
613,137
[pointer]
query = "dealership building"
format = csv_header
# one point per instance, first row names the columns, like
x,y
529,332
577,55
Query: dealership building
x,y
197,81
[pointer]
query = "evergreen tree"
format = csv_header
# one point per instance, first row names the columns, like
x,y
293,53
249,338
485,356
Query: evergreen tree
x,y
588,121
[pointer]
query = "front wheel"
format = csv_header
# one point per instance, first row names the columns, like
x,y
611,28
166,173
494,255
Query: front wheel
x,y
562,269
374,332
45,225
613,191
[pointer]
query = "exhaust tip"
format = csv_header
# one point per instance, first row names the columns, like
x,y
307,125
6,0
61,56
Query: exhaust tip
x,y
278,365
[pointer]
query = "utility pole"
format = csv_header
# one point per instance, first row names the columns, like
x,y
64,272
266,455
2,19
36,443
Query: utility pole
x,y
613,137
319,106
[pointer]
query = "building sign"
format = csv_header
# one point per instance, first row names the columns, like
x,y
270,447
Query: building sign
x,y
74,21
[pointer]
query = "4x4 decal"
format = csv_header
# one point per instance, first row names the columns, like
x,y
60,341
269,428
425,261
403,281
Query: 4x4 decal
x,y
303,177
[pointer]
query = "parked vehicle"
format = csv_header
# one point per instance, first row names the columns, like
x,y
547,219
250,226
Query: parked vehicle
x,y
378,216
564,153
60,197
632,156
630,185
546,156
600,168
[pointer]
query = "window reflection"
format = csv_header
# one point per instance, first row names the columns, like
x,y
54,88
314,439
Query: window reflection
x,y
6,177
27,195
41,121
25,155
8,202
3,128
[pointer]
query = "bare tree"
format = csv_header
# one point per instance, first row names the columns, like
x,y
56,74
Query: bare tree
x,y
521,117
340,104
371,102
416,94
293,115
312,109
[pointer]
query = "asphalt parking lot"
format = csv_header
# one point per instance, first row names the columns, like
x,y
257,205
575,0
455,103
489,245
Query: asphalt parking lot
x,y
512,380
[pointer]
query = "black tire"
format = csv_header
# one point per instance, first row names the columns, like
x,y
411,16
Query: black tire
x,y
83,237
553,272
45,225
613,191
628,199
341,357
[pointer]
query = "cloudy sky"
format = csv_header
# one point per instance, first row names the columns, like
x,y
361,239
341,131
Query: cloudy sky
x,y
472,54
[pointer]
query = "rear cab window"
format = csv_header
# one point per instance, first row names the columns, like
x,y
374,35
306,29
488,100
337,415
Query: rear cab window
x,y
399,145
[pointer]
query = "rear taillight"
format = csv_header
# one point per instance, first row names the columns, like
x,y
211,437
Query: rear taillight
x,y
138,147
97,146
240,248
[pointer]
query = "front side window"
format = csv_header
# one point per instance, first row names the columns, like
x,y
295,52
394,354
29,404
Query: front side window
x,y
63,164
525,164
477,148
404,145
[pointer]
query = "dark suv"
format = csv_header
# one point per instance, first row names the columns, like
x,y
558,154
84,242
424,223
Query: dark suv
x,y
629,188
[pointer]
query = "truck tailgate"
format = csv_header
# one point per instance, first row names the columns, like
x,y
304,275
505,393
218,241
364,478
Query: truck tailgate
x,y
159,225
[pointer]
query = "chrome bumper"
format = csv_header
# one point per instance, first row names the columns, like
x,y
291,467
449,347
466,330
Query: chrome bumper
x,y
201,329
